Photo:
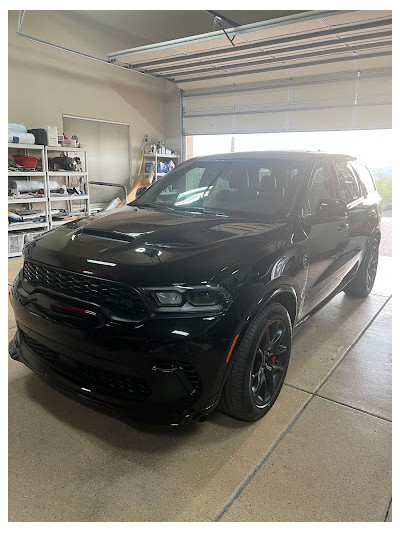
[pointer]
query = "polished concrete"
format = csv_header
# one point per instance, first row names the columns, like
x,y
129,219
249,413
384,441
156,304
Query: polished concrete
x,y
323,453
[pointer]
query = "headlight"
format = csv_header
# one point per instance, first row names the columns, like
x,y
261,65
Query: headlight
x,y
203,299
169,298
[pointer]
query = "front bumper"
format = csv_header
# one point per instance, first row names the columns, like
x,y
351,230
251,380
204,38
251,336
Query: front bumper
x,y
164,370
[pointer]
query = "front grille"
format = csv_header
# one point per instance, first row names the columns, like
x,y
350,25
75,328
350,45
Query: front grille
x,y
117,296
116,385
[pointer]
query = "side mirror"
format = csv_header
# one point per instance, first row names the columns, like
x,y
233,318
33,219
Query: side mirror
x,y
139,191
331,208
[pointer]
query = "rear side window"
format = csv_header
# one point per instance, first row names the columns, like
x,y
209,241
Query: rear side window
x,y
349,187
365,177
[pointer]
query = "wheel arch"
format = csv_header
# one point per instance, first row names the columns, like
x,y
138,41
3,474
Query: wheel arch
x,y
288,299
286,296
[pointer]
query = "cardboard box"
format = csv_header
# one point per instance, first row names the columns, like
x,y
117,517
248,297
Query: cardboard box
x,y
52,135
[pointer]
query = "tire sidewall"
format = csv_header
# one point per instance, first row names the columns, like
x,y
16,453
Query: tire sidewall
x,y
256,329
374,244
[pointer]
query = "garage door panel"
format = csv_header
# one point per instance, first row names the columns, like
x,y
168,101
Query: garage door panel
x,y
374,117
210,125
332,90
348,86
263,97
261,122
204,103
375,62
321,119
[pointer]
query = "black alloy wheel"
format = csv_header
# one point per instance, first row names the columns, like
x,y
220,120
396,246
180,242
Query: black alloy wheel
x,y
362,284
259,365
270,362
372,265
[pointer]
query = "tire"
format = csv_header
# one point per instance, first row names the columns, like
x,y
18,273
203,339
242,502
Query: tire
x,y
259,366
362,284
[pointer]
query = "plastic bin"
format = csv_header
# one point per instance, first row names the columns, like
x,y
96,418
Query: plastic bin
x,y
27,161
15,243
32,234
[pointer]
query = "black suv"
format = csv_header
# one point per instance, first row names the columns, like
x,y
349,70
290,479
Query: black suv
x,y
186,299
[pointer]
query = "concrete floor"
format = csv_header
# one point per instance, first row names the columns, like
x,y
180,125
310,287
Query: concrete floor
x,y
323,453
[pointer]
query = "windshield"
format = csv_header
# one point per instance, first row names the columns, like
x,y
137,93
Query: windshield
x,y
250,189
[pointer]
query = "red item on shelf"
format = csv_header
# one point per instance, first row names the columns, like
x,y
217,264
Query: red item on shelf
x,y
27,161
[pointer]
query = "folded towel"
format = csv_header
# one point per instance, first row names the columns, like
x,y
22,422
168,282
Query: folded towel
x,y
17,127
23,138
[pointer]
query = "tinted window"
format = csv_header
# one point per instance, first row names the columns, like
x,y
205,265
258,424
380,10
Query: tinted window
x,y
324,186
366,177
349,186
252,188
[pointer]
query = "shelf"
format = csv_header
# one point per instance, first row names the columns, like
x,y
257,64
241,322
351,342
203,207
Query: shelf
x,y
81,201
171,156
65,149
71,197
26,146
15,200
66,173
26,225
20,173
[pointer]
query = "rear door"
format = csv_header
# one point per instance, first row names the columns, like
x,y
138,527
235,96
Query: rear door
x,y
362,219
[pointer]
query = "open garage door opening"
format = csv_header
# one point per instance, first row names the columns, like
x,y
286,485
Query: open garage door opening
x,y
373,147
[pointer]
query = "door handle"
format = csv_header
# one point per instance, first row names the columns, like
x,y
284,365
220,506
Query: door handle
x,y
343,226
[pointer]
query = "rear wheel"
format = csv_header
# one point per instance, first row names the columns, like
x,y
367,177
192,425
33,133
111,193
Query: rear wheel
x,y
260,365
362,284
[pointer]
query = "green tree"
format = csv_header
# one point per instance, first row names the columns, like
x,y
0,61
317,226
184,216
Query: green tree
x,y
384,186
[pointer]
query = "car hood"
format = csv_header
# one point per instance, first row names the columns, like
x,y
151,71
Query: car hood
x,y
150,247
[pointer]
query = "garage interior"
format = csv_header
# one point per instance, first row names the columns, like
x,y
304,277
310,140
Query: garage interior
x,y
323,453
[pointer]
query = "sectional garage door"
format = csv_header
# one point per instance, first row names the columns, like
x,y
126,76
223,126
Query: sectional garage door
x,y
321,70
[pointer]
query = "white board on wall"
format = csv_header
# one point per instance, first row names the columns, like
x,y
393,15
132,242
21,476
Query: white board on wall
x,y
108,153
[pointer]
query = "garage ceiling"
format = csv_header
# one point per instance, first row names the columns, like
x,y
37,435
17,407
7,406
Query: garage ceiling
x,y
304,71
247,71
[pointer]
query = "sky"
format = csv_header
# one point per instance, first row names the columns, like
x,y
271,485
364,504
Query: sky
x,y
372,147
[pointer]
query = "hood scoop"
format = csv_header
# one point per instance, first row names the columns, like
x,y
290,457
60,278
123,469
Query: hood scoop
x,y
110,235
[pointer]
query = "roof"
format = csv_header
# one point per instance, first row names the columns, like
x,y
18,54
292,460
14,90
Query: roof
x,y
276,154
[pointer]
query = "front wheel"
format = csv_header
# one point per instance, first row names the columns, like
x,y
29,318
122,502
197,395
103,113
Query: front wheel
x,y
260,365
362,284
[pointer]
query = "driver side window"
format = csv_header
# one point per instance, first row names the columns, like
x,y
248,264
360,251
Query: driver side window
x,y
324,186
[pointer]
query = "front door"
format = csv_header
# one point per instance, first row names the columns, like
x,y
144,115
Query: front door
x,y
327,236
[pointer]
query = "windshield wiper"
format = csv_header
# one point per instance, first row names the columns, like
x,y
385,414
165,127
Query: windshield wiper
x,y
200,210
152,206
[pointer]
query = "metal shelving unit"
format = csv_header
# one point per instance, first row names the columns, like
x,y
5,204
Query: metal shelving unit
x,y
80,178
25,227
161,157
70,179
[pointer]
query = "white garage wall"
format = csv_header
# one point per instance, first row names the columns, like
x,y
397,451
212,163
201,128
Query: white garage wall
x,y
45,83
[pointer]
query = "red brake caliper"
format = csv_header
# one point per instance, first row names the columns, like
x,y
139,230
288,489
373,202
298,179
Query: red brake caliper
x,y
272,359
